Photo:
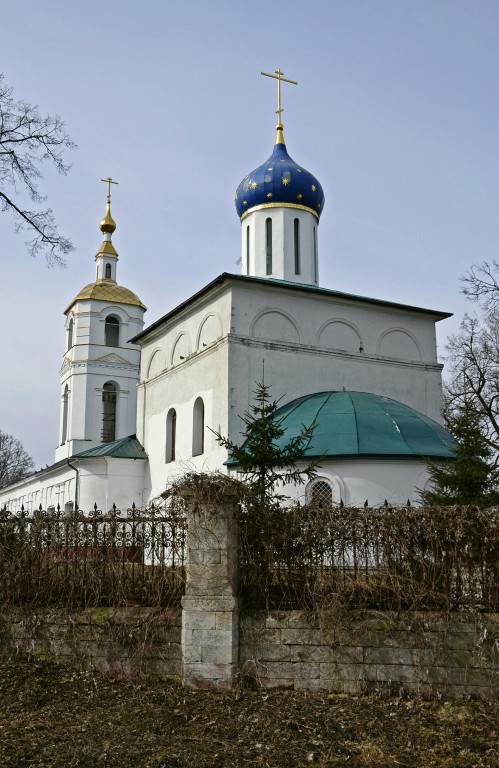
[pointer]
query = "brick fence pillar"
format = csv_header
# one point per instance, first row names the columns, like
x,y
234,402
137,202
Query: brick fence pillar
x,y
210,612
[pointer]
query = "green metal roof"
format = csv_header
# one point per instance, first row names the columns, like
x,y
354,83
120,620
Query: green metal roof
x,y
360,424
125,448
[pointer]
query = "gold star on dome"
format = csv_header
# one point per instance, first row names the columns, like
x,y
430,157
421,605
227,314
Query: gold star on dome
x,y
299,197
285,182
269,195
245,202
236,195
313,187
253,185
270,169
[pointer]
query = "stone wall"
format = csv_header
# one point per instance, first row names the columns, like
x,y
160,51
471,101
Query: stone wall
x,y
124,642
420,651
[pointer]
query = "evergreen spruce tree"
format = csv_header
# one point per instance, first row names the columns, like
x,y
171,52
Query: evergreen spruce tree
x,y
471,478
265,463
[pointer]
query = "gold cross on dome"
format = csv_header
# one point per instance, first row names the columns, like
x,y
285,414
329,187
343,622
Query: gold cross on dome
x,y
280,79
109,181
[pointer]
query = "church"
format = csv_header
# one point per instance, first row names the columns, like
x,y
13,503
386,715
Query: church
x,y
138,405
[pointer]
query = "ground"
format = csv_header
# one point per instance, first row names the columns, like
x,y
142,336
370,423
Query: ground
x,y
51,716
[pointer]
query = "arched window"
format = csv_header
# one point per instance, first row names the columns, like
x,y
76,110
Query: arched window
x,y
297,246
171,435
109,391
112,332
320,492
198,427
108,271
65,407
70,334
247,250
268,245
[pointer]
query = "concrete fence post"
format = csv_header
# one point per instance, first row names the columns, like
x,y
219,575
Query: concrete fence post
x,y
210,611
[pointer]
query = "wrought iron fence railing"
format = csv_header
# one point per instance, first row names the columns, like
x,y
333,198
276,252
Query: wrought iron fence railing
x,y
120,557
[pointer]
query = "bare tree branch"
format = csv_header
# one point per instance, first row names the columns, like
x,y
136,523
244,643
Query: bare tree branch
x,y
27,139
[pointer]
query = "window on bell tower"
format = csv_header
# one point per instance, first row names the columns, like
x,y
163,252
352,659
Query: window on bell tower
x,y
112,331
108,271
109,392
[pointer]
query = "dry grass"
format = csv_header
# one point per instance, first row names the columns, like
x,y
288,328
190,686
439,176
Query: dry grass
x,y
51,717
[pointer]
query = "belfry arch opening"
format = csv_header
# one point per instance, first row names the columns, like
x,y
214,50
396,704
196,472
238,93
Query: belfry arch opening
x,y
109,398
112,331
70,334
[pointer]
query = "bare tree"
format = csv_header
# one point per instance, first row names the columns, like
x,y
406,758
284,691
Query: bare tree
x,y
27,139
473,354
15,462
481,284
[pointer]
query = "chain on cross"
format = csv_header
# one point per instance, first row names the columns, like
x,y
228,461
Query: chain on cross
x,y
280,79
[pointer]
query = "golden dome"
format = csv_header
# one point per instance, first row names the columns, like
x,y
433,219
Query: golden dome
x,y
107,290
108,224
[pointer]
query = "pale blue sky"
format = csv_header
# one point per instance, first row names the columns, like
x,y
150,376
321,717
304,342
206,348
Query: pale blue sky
x,y
396,113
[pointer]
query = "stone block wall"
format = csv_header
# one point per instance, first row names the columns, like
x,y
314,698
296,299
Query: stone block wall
x,y
124,642
370,650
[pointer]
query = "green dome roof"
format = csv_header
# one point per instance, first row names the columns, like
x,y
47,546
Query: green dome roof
x,y
359,424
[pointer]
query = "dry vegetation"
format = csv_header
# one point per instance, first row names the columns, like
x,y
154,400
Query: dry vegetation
x,y
51,717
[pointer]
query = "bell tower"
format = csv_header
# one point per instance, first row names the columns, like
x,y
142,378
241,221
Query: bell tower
x,y
100,369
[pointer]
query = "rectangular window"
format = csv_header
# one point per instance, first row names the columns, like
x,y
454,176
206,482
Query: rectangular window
x,y
297,247
268,243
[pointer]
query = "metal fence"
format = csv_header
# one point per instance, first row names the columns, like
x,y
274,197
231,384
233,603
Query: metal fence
x,y
120,557
382,558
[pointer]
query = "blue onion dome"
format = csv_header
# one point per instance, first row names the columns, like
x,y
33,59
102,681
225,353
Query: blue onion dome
x,y
279,182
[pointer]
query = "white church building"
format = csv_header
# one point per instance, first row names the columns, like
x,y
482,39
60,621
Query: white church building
x,y
138,405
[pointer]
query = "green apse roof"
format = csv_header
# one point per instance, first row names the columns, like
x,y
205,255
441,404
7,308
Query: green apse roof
x,y
360,424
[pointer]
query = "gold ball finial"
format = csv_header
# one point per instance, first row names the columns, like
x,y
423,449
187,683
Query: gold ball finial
x,y
108,224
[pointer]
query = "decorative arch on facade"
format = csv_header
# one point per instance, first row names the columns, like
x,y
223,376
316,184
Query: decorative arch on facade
x,y
181,349
399,342
198,427
112,331
209,331
340,334
157,363
171,435
275,324
109,407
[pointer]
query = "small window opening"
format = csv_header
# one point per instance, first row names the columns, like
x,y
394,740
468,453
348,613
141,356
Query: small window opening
x,y
108,433
108,270
198,427
297,246
268,245
171,435
112,331
70,334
